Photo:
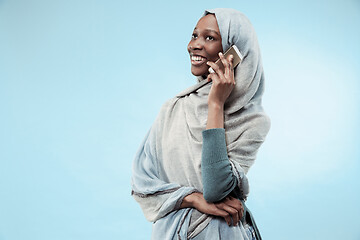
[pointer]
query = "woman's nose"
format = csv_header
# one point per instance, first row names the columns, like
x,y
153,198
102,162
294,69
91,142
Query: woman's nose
x,y
197,44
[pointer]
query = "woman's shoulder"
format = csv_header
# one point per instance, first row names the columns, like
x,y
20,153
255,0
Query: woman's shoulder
x,y
167,106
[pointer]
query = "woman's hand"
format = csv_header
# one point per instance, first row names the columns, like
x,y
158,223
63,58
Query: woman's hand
x,y
233,206
223,82
229,208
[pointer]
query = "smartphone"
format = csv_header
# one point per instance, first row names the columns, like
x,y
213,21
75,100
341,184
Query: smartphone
x,y
233,50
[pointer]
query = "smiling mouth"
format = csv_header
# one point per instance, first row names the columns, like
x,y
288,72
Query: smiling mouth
x,y
197,60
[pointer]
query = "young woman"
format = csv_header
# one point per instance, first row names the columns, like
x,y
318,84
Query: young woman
x,y
189,173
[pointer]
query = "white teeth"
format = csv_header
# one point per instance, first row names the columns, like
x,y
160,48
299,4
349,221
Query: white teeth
x,y
197,58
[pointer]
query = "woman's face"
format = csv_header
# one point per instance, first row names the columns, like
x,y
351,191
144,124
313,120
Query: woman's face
x,y
205,44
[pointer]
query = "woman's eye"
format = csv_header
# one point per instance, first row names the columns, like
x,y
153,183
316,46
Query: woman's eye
x,y
209,38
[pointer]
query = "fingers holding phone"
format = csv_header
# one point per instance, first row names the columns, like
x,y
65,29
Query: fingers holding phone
x,y
237,58
222,75
222,81
228,69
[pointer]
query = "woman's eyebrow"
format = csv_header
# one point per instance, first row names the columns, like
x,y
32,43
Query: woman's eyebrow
x,y
210,30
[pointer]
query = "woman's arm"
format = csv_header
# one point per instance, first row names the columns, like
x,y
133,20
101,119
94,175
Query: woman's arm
x,y
217,176
215,116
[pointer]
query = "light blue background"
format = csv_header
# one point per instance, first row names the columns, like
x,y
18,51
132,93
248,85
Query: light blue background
x,y
82,81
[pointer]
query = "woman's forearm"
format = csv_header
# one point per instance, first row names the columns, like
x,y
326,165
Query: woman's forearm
x,y
215,116
188,201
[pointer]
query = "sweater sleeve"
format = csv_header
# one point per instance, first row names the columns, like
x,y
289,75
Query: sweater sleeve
x,y
217,175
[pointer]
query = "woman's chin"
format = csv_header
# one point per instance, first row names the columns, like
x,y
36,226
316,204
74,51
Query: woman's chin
x,y
198,73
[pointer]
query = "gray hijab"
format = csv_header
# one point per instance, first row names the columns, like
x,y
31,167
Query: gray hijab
x,y
168,163
244,114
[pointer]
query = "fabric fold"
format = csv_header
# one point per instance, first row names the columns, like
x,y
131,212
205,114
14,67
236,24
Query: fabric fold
x,y
156,197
